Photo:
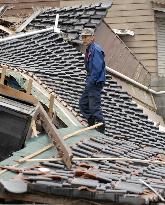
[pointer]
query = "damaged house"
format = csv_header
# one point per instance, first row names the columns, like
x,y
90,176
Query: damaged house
x,y
124,166
140,24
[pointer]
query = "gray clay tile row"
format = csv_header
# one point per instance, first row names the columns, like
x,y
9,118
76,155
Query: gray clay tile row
x,y
129,133
72,19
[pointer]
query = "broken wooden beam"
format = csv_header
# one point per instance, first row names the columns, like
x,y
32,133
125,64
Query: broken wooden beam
x,y
35,153
29,86
3,74
82,130
6,30
51,103
16,94
101,158
63,150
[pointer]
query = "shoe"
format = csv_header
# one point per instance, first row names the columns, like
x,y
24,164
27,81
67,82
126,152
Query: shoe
x,y
101,129
91,121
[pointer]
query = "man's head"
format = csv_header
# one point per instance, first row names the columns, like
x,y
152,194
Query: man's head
x,y
87,36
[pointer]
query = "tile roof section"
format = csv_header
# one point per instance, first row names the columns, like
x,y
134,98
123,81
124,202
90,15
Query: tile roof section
x,y
129,133
3,34
104,180
72,19
16,105
61,68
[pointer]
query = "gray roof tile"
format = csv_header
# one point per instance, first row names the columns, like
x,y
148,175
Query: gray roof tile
x,y
128,132
72,18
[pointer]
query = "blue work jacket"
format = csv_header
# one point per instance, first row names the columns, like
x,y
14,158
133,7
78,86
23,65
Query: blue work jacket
x,y
95,64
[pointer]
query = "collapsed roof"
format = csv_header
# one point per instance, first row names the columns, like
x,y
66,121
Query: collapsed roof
x,y
72,19
129,133
60,66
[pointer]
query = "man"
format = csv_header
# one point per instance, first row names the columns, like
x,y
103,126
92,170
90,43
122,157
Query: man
x,y
90,101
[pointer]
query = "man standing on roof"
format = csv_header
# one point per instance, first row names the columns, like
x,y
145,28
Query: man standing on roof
x,y
90,101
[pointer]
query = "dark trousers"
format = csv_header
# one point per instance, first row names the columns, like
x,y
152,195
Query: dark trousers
x,y
90,104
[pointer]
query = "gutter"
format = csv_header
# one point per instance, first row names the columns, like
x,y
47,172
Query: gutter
x,y
26,34
116,73
56,30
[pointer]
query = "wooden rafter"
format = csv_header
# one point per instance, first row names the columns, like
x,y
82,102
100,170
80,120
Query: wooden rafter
x,y
3,74
64,151
29,86
51,103
6,30
16,94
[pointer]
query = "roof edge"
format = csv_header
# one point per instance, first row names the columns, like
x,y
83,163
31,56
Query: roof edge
x,y
25,34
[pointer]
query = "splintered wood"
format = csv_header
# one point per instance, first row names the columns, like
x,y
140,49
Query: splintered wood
x,y
3,74
82,130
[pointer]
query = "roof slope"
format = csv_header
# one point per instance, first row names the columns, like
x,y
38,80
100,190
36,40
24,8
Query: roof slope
x,y
61,67
72,19
128,131
92,180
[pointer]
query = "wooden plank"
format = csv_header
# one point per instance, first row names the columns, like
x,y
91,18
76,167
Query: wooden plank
x,y
113,13
34,129
131,7
149,31
122,159
82,130
29,87
139,31
132,19
6,30
131,26
57,140
152,69
76,2
3,74
150,62
119,2
140,44
147,56
145,50
51,104
35,153
16,94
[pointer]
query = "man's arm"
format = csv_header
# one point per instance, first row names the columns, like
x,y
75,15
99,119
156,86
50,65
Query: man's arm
x,y
97,65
